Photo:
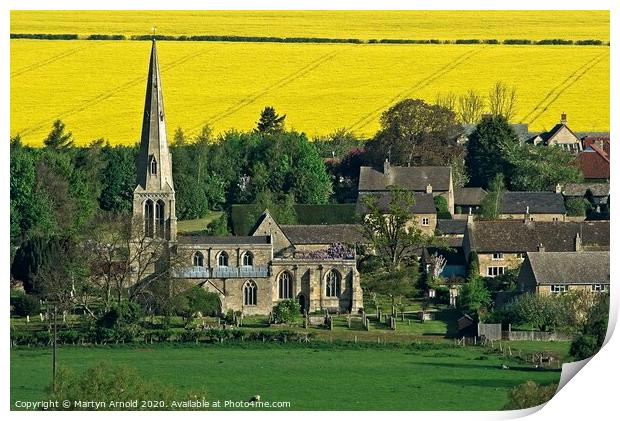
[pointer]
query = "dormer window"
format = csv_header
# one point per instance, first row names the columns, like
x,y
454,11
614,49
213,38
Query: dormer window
x,y
153,165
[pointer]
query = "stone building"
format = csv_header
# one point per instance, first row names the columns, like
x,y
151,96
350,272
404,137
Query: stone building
x,y
560,135
533,206
251,274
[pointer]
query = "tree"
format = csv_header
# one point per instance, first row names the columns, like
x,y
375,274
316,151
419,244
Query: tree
x,y
470,107
577,206
540,168
583,347
503,100
447,100
25,305
530,394
337,144
200,300
441,204
546,313
119,178
474,296
285,311
57,138
487,148
489,208
270,122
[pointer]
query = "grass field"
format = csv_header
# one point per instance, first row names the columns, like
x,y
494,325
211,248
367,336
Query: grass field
x,y
310,378
97,87
365,25
197,225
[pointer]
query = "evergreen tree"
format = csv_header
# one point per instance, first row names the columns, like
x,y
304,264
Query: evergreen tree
x,y
270,122
57,138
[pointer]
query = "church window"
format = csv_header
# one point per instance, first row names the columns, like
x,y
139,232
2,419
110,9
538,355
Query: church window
x,y
199,259
160,218
222,259
332,285
285,285
247,259
148,218
249,293
153,166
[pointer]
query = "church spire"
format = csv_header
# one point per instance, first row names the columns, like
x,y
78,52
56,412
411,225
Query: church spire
x,y
154,162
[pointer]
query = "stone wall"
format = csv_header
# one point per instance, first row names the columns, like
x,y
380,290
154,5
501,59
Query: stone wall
x,y
509,261
261,253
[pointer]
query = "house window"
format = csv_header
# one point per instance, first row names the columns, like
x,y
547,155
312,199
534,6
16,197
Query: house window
x,y
199,259
148,218
558,288
285,285
222,259
599,288
495,270
249,293
425,222
332,284
247,259
556,219
498,256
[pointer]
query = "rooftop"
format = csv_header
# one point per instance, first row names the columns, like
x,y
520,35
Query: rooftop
x,y
411,178
423,203
570,268
536,202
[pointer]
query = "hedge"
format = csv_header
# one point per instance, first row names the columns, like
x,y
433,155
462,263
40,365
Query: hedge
x,y
45,36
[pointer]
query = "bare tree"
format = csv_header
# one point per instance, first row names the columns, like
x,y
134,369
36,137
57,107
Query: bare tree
x,y
503,100
470,107
447,100
437,263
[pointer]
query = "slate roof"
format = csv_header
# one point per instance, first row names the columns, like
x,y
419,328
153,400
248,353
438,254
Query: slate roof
x,y
423,203
323,234
411,178
570,268
538,202
469,196
229,240
593,163
451,226
516,236
580,189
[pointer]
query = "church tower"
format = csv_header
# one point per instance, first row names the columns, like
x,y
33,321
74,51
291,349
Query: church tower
x,y
153,198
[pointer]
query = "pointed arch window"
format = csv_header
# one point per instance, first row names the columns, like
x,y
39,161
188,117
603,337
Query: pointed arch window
x,y
222,259
199,259
160,221
250,293
148,218
332,284
153,165
247,259
285,285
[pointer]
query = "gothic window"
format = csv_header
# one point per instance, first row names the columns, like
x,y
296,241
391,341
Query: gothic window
x,y
160,218
222,259
153,166
249,293
285,285
332,283
148,218
199,259
247,259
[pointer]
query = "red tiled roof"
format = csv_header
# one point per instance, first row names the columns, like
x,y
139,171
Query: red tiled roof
x,y
594,163
593,140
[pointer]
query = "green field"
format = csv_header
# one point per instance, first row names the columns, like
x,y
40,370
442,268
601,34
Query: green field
x,y
330,377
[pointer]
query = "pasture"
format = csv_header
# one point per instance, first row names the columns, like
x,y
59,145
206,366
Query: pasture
x,y
314,376
97,87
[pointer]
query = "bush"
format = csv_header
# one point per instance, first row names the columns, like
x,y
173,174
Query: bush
x,y
442,207
577,206
69,337
530,394
285,311
25,305
124,313
584,347
517,41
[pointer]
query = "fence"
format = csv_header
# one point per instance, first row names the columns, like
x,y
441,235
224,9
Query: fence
x,y
493,332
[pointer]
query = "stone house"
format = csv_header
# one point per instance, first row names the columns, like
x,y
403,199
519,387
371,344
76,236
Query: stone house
x,y
560,135
553,273
596,193
503,244
423,209
533,206
250,274
468,199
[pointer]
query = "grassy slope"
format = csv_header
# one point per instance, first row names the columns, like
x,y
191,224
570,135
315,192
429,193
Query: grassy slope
x,y
197,225
97,87
309,378
335,24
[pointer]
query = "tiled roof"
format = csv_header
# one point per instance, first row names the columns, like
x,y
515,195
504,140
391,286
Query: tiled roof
x,y
593,163
423,203
538,202
229,240
517,236
469,196
451,226
580,189
323,234
411,178
570,268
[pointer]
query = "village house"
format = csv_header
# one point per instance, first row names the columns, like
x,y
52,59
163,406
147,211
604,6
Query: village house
x,y
533,206
468,199
502,244
557,272
560,135
594,164
423,209
596,193
250,274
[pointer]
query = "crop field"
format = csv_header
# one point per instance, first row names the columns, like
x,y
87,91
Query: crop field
x,y
323,378
97,87
409,24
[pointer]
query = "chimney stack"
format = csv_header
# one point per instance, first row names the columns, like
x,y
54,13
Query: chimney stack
x,y
429,189
541,248
563,118
578,242
527,214
470,218
386,167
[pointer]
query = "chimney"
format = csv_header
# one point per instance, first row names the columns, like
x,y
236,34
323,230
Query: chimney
x,y
527,214
563,119
470,218
541,248
386,167
558,188
578,243
429,189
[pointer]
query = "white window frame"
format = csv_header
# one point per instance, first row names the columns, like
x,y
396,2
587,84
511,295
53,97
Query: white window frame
x,y
426,222
599,287
497,256
499,270
558,288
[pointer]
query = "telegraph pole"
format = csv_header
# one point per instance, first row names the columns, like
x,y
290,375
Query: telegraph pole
x,y
54,353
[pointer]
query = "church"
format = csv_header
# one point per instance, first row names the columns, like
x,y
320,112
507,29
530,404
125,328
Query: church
x,y
315,265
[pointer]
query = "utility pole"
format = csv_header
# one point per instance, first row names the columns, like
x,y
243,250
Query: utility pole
x,y
54,353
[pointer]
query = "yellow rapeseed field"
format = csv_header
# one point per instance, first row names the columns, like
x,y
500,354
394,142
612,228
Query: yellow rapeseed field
x,y
411,24
97,87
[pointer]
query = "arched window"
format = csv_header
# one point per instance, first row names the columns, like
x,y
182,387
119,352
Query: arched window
x,y
148,218
249,293
285,285
153,166
332,283
160,218
199,259
247,259
222,259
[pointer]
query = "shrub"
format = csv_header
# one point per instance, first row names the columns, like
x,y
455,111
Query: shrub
x,y
517,41
123,313
25,305
530,394
69,336
584,347
43,337
577,206
442,207
285,311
